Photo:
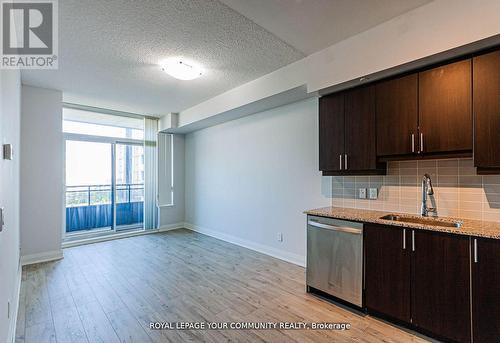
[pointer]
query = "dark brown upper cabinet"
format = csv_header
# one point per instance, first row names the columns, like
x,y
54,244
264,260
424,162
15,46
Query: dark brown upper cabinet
x,y
360,146
397,116
485,288
486,108
331,132
445,108
452,110
347,141
441,285
387,271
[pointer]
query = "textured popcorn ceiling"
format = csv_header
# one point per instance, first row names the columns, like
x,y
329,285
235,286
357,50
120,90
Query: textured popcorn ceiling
x,y
109,50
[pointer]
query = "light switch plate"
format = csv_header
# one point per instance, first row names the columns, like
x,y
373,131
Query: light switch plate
x,y
2,222
373,193
280,237
7,152
362,193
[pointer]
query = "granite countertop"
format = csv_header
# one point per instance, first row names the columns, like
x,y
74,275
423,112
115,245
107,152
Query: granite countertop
x,y
469,227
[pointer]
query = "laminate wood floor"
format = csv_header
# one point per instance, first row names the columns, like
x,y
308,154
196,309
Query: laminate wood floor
x,y
112,291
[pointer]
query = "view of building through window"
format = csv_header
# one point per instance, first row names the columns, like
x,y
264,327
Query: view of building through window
x,y
129,173
88,173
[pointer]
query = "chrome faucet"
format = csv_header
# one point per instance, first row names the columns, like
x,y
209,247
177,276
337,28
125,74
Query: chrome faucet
x,y
427,190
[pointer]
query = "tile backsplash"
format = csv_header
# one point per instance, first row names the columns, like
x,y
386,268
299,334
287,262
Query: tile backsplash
x,y
458,190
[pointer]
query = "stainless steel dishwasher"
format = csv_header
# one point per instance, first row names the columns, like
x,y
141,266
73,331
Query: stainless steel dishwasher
x,y
335,258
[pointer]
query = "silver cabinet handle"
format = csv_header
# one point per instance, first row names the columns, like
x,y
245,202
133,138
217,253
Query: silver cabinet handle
x,y
412,142
340,161
335,228
404,239
421,142
475,250
412,240
345,161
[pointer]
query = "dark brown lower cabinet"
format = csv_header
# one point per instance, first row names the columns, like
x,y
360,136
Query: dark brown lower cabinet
x,y
441,285
422,279
387,271
486,290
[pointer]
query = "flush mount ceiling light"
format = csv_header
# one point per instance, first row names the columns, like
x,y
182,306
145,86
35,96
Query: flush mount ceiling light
x,y
181,69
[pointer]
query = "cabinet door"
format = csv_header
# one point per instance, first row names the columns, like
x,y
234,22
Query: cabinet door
x,y
486,102
331,132
485,290
445,108
397,116
360,141
387,271
441,285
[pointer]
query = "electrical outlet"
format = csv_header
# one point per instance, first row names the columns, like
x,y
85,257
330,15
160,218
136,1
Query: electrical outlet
x,y
362,193
373,193
280,237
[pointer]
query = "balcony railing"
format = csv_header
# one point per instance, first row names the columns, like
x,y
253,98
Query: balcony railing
x,y
89,195
89,207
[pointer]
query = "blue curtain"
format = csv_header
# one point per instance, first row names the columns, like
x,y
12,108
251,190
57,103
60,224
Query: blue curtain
x,y
100,216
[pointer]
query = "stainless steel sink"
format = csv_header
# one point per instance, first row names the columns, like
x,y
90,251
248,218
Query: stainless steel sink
x,y
422,220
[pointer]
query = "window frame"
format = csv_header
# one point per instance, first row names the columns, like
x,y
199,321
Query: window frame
x,y
97,139
171,176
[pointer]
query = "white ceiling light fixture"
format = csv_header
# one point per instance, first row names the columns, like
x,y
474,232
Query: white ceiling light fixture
x,y
181,69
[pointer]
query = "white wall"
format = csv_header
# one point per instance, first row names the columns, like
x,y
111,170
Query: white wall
x,y
248,179
281,80
173,216
41,174
10,272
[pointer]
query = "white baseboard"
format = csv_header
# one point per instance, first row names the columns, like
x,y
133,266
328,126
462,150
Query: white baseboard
x,y
97,239
15,310
264,249
169,227
42,257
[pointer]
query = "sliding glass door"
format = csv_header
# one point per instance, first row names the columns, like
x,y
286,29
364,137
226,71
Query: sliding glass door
x,y
104,186
89,191
109,187
129,186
